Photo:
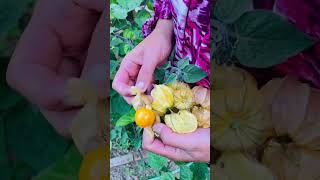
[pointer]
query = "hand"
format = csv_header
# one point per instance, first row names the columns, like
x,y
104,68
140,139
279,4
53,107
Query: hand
x,y
138,66
179,147
54,48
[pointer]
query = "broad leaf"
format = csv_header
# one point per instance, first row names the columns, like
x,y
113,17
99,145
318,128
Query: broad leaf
x,y
200,171
129,5
119,105
230,10
118,11
185,173
66,168
183,63
192,74
126,119
167,176
266,39
31,137
156,161
4,162
10,12
141,17
171,78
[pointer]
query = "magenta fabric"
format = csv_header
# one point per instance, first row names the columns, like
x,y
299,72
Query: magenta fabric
x,y
191,20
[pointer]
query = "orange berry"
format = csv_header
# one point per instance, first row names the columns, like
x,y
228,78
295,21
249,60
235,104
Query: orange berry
x,y
144,117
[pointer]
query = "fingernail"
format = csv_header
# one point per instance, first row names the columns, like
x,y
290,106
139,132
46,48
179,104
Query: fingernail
x,y
157,128
140,85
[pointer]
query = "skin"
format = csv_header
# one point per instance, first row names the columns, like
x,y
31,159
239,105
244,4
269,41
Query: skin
x,y
137,69
63,39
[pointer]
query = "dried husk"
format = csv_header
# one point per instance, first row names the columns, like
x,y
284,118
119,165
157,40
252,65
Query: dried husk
x,y
239,166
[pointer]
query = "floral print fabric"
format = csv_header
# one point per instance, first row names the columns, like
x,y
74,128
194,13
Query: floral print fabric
x,y
191,20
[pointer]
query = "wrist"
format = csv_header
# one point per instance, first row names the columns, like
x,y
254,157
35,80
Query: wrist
x,y
165,27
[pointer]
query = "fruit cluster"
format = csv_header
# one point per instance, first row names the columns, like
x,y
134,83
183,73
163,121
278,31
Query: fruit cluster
x,y
181,108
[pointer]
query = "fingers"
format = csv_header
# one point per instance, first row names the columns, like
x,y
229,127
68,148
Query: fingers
x,y
97,5
156,146
145,76
168,137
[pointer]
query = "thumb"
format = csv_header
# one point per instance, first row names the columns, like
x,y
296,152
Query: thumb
x,y
168,137
145,76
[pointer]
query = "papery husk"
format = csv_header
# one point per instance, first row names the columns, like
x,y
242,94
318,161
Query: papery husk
x,y
182,95
295,110
202,115
86,126
239,166
290,162
201,96
162,97
240,120
181,122
140,100
230,77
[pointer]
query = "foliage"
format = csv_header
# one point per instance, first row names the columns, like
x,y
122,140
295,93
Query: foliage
x,y
254,38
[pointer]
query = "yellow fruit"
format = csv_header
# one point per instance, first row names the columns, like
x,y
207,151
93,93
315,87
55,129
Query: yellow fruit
x,y
201,96
203,116
182,95
238,166
94,165
162,97
144,117
240,119
181,122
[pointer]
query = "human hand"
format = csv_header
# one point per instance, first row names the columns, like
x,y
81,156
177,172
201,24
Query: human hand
x,y
54,48
138,66
179,147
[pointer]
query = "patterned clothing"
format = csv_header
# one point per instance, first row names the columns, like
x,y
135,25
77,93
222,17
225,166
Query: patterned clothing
x,y
191,19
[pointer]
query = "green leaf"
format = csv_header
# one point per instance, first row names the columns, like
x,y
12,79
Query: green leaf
x,y
126,119
128,34
31,137
10,12
66,168
167,176
185,173
171,78
182,63
156,161
22,171
8,97
229,11
113,68
141,17
4,162
118,11
119,105
129,5
193,74
199,170
266,39
159,75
